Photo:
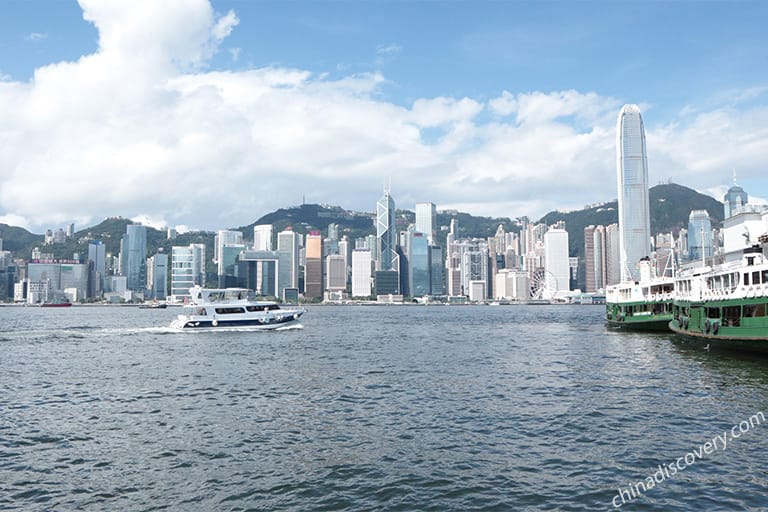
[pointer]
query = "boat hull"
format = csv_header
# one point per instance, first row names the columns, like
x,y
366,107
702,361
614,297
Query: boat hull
x,y
254,324
658,323
721,340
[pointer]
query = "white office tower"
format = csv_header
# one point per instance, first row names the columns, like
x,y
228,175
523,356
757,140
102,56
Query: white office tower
x,y
226,239
632,174
262,237
426,220
288,260
556,263
361,273
187,269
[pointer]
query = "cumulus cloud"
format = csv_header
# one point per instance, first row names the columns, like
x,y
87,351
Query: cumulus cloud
x,y
141,129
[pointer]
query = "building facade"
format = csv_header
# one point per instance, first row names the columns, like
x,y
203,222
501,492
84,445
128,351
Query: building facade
x,y
632,179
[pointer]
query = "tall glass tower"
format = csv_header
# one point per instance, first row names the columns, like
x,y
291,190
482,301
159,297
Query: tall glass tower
x,y
133,257
386,236
632,174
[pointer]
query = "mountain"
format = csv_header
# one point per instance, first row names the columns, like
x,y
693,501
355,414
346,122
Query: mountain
x,y
670,206
17,239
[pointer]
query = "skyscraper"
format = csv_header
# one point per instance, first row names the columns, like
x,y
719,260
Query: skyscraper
x,y
556,262
187,269
133,257
735,200
632,174
313,270
98,267
700,243
157,276
361,273
426,220
262,237
386,236
288,260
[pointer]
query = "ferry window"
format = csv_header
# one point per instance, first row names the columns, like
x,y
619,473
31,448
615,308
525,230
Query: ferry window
x,y
746,279
229,311
732,316
273,306
756,277
713,312
759,309
255,308
765,276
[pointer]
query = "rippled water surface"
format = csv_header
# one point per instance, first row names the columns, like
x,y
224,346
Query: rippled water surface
x,y
369,408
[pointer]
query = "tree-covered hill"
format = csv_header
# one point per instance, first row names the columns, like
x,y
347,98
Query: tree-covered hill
x,y
670,206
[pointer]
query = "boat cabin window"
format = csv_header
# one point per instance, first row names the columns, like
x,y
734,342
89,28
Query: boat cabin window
x,y
746,278
273,306
201,312
713,312
765,276
255,308
732,316
229,311
754,310
756,277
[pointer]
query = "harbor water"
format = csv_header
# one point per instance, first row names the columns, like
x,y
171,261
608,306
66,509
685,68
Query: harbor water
x,y
373,408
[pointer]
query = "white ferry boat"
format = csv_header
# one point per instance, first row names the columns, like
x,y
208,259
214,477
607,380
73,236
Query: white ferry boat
x,y
233,308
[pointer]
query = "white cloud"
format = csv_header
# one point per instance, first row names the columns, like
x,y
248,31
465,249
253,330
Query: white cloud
x,y
36,37
388,49
139,128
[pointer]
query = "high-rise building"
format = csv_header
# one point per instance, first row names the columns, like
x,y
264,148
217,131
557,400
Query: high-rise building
x,y
288,255
386,235
632,174
157,276
258,270
612,255
227,247
600,259
474,265
436,266
734,201
589,258
426,220
313,268
453,261
333,231
556,262
262,237
336,273
133,257
361,273
418,264
665,254
700,244
97,263
187,269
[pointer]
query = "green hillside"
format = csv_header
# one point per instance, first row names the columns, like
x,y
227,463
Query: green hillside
x,y
670,206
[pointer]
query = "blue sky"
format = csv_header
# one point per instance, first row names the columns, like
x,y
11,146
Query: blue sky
x,y
699,71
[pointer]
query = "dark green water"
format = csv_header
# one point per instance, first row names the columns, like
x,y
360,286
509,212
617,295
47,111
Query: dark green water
x,y
369,408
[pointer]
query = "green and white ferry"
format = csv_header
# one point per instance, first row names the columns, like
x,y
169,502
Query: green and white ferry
x,y
644,305
725,306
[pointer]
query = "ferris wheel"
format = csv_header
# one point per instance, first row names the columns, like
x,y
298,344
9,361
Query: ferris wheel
x,y
538,285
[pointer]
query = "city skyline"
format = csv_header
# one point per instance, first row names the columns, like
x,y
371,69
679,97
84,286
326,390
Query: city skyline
x,y
103,110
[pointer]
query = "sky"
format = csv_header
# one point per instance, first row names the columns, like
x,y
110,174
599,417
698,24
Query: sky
x,y
208,115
